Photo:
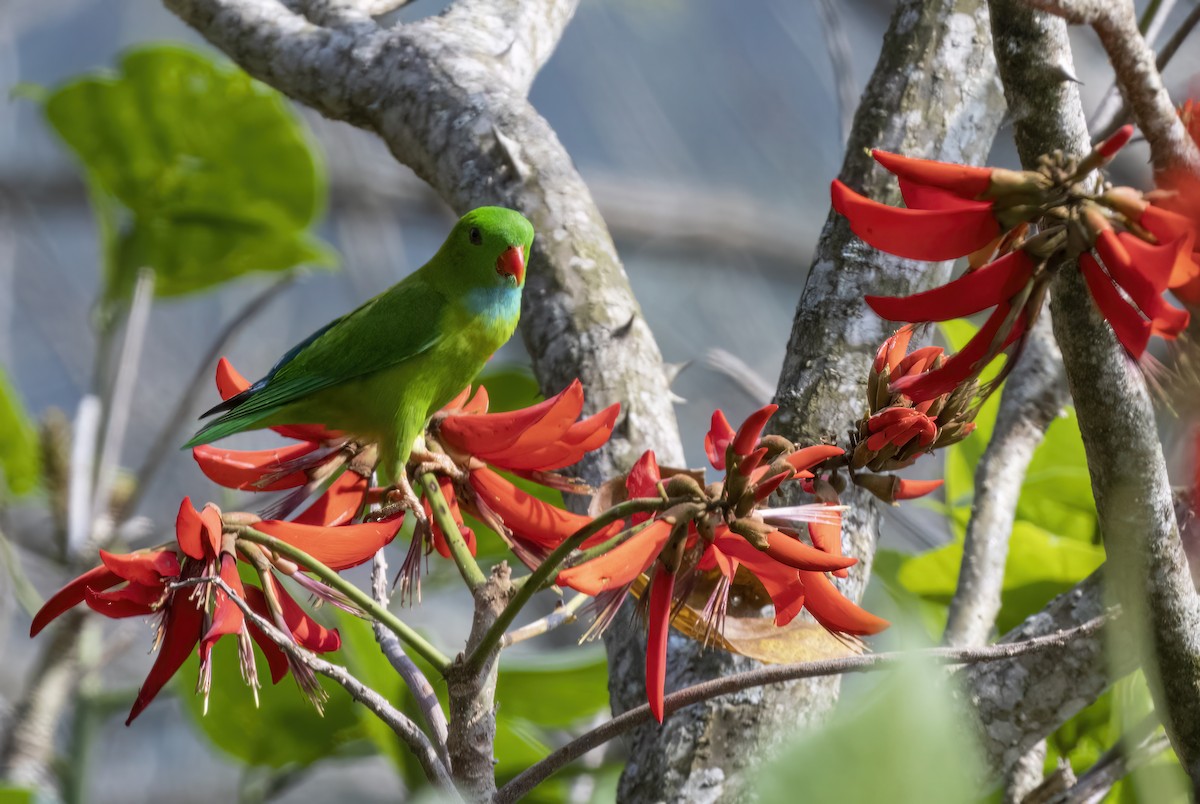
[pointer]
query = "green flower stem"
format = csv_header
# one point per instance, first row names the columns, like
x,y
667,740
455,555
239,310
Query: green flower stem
x,y
355,595
548,568
459,551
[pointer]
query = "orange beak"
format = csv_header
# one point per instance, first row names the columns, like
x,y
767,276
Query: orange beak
x,y
512,263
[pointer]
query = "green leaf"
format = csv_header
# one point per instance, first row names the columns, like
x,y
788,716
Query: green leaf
x,y
894,748
17,795
284,730
214,175
556,689
20,455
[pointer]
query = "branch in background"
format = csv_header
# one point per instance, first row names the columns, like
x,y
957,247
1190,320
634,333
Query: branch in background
x,y
1137,75
563,614
422,691
1106,127
1134,749
774,674
396,720
1034,393
164,443
1154,17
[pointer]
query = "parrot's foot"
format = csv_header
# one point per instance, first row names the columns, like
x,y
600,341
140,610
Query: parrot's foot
x,y
437,462
402,494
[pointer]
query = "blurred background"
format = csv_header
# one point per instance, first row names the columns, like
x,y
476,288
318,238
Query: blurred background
x,y
708,132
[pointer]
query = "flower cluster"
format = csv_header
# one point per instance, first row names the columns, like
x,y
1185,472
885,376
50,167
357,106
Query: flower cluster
x,y
168,582
1017,227
896,430
719,528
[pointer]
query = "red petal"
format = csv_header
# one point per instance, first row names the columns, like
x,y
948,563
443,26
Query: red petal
x,y
1108,149
72,594
198,533
749,433
795,553
246,469
580,439
229,381
526,516
911,489
892,350
827,536
456,404
134,600
644,477
619,566
181,632
338,548
277,661
808,457
478,403
439,538
307,631
662,590
916,233
1131,329
781,583
227,618
495,432
339,504
719,434
146,567
832,610
970,293
964,181
767,487
968,361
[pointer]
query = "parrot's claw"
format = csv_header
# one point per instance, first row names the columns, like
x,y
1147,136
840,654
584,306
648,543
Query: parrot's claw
x,y
403,495
436,462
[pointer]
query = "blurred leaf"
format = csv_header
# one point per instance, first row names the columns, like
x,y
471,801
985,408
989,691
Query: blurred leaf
x,y
17,795
1040,566
20,456
215,174
283,730
904,744
556,689
1057,493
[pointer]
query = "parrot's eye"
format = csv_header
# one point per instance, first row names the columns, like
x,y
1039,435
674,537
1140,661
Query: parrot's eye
x,y
476,236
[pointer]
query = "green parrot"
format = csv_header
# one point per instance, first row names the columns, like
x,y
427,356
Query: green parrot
x,y
382,370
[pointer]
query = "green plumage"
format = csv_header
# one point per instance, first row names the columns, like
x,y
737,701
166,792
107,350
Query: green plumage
x,y
382,370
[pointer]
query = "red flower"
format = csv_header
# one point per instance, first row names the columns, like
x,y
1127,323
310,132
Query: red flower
x,y
723,534
191,617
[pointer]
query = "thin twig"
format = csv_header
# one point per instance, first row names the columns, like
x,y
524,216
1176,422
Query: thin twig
x,y
396,720
422,691
562,615
1154,17
774,674
356,596
167,436
85,430
120,405
842,61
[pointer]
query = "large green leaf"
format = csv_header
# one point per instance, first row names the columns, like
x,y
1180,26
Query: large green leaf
x,y
196,170
554,690
905,744
20,458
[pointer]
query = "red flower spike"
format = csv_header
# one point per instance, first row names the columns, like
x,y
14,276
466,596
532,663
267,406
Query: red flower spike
x,y
181,632
969,294
147,568
338,548
747,436
72,595
1143,271
808,457
911,489
964,181
495,432
662,590
959,366
277,660
620,565
339,504
1131,329
834,611
1108,149
245,469
717,439
798,555
916,233
530,519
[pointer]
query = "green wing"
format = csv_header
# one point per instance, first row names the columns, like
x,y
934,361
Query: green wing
x,y
395,326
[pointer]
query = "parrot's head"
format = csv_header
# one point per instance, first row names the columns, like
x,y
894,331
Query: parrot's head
x,y
494,243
